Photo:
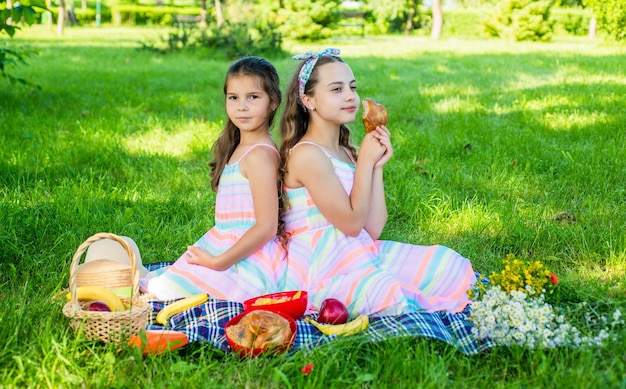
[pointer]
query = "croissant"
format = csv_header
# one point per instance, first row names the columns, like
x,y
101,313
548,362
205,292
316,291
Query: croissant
x,y
374,114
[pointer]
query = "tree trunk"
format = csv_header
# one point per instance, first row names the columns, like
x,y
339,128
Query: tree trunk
x,y
49,14
61,18
409,21
593,25
435,33
203,14
218,13
9,21
71,14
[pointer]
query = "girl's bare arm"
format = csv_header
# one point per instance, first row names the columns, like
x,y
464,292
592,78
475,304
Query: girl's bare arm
x,y
259,167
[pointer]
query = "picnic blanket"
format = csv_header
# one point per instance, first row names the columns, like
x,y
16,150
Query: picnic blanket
x,y
205,323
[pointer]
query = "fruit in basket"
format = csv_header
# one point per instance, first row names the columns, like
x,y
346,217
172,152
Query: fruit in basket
x,y
98,306
98,293
333,311
181,305
351,328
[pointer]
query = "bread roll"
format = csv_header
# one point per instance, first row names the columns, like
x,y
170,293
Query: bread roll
x,y
374,114
261,329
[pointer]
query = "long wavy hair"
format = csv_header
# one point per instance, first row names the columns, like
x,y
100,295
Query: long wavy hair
x,y
230,137
294,124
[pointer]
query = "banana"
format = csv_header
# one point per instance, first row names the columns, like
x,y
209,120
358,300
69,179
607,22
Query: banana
x,y
350,328
178,306
92,293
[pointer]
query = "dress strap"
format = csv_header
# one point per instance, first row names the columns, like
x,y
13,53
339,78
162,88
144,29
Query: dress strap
x,y
326,151
314,144
253,147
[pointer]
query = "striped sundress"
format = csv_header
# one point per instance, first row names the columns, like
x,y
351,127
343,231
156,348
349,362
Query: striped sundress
x,y
234,215
370,277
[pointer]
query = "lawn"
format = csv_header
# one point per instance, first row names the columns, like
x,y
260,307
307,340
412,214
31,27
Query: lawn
x,y
500,148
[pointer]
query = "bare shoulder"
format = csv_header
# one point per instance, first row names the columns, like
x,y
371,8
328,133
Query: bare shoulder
x,y
259,159
260,153
307,154
307,162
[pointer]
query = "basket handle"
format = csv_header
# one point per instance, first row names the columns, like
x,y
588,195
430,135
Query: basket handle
x,y
83,247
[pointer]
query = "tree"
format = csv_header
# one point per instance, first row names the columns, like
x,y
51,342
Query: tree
x,y
66,15
218,13
393,15
10,57
413,5
610,16
435,33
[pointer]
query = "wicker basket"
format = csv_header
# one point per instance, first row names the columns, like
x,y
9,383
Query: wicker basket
x,y
107,326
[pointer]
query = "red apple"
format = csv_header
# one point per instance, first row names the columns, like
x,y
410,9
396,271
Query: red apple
x,y
333,311
98,306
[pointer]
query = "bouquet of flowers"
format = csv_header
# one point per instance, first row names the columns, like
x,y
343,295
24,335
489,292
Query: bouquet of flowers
x,y
509,308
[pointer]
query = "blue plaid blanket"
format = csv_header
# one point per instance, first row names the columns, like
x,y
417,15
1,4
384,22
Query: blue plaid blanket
x,y
205,323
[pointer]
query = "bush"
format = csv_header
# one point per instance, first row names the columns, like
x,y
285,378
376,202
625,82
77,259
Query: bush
x,y
230,40
385,16
307,20
521,20
240,39
611,17
463,22
573,21
149,15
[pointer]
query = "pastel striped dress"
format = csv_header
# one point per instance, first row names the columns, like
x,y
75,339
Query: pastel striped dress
x,y
234,215
370,277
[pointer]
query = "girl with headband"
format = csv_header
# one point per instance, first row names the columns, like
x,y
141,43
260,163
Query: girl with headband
x,y
335,207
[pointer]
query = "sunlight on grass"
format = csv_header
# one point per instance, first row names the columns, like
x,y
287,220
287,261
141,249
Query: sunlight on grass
x,y
451,98
455,104
567,121
470,218
122,36
451,89
610,276
177,143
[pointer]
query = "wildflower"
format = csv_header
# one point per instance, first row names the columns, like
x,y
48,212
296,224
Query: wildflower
x,y
306,369
509,308
554,279
616,316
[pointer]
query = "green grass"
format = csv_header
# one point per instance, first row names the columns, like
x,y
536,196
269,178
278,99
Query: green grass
x,y
499,148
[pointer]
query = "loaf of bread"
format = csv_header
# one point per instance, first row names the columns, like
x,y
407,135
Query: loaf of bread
x,y
261,329
374,114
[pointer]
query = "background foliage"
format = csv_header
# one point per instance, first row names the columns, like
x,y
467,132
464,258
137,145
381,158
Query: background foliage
x,y
521,20
611,15
311,20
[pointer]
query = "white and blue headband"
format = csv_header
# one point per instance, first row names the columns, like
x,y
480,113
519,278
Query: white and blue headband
x,y
310,59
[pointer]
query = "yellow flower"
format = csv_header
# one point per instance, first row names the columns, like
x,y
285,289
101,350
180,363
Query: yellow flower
x,y
527,276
